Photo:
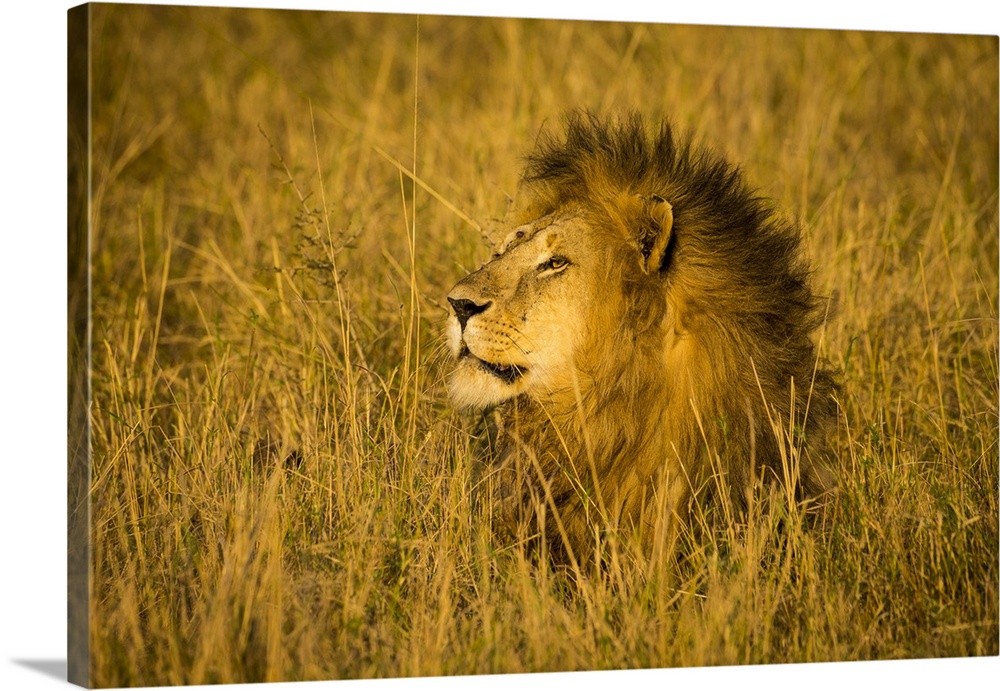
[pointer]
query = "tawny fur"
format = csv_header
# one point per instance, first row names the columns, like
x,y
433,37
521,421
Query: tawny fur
x,y
693,364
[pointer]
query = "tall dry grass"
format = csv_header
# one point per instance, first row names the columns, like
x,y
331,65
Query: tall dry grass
x,y
280,489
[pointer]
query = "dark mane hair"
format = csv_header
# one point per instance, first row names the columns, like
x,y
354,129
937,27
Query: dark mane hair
x,y
734,275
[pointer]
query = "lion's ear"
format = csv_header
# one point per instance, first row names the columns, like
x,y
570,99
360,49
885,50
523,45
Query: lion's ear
x,y
647,222
662,214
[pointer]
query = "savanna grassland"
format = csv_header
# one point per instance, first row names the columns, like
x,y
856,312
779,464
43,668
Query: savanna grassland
x,y
280,202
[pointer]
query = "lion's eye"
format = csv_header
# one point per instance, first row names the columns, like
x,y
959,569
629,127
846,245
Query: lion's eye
x,y
554,264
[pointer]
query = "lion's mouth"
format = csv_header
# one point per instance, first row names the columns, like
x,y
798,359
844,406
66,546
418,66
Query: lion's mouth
x,y
508,374
505,373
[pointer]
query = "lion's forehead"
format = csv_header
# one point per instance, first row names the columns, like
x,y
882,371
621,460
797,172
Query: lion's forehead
x,y
544,227
518,236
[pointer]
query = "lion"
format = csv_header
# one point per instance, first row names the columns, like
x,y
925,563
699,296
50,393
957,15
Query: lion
x,y
644,333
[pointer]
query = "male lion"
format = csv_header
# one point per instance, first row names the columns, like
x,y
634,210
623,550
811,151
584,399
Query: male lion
x,y
644,332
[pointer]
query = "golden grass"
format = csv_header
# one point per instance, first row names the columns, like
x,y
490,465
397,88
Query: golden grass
x,y
280,487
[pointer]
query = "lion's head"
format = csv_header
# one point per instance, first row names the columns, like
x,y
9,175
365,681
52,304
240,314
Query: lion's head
x,y
526,322
645,331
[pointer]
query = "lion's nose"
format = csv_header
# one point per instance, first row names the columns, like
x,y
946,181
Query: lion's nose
x,y
465,308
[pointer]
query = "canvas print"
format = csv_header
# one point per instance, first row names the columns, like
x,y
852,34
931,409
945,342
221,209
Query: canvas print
x,y
413,346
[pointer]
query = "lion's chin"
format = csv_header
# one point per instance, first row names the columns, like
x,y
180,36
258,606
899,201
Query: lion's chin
x,y
477,384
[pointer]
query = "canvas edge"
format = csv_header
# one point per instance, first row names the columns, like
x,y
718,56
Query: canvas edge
x,y
78,346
